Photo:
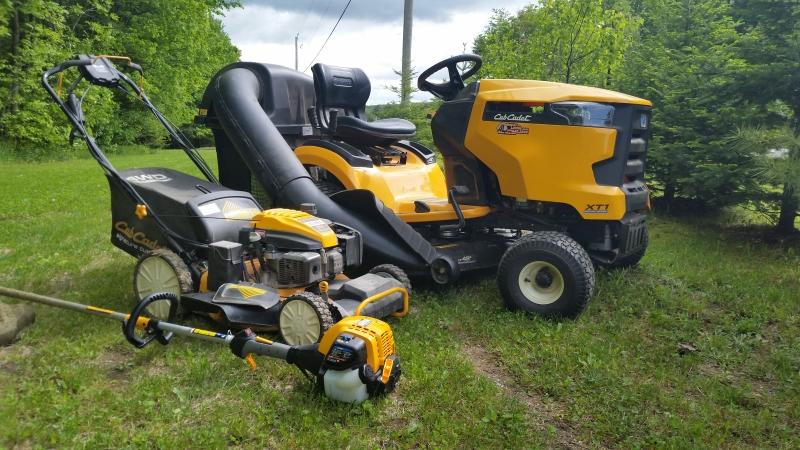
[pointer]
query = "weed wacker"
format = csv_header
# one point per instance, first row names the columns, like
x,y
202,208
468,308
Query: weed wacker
x,y
354,360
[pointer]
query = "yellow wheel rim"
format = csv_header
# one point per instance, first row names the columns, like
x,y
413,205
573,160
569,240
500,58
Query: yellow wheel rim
x,y
541,282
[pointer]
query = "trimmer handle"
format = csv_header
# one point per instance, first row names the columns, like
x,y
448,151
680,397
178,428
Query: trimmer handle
x,y
150,325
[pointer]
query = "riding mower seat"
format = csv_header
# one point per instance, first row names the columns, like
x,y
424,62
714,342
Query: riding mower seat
x,y
341,97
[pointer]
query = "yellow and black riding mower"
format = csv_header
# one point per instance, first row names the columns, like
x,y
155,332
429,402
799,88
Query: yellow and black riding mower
x,y
216,248
540,179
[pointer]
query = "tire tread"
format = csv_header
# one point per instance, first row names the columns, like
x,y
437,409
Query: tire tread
x,y
556,243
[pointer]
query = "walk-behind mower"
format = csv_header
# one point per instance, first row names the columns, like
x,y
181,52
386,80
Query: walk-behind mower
x,y
354,360
216,248
540,179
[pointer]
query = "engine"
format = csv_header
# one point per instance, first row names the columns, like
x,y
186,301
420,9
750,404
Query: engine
x,y
284,248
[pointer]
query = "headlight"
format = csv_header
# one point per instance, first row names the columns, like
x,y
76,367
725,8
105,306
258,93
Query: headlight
x,y
588,114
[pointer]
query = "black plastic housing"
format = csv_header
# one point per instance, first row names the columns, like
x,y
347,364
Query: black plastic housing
x,y
193,208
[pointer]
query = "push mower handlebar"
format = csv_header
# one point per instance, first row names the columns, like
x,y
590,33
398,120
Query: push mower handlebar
x,y
66,65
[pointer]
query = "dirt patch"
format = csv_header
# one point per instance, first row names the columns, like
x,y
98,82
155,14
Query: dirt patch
x,y
98,262
60,282
541,412
16,349
157,368
116,363
9,367
761,388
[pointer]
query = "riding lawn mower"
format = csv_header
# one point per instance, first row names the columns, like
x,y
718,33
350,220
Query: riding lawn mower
x,y
541,180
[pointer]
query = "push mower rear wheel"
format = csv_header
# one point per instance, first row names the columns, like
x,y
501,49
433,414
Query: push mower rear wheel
x,y
546,273
160,270
303,319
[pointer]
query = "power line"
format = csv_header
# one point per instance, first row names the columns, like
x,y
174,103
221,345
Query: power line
x,y
329,34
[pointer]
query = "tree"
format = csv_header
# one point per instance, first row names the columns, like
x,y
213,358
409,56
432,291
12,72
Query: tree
x,y
778,151
407,80
685,60
180,44
772,52
577,41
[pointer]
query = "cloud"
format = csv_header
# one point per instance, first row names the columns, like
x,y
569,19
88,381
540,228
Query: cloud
x,y
265,34
374,10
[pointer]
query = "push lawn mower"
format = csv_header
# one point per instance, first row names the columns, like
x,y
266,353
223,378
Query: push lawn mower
x,y
354,361
217,249
541,179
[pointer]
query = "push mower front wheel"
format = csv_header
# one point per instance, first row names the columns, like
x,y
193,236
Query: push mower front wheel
x,y
546,273
160,270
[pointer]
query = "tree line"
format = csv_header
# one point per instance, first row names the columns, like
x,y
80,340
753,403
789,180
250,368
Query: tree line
x,y
179,43
723,75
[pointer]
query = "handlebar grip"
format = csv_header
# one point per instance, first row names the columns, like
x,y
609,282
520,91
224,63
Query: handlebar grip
x,y
151,332
66,65
135,67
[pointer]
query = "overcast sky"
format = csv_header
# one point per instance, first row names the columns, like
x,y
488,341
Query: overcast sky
x,y
369,36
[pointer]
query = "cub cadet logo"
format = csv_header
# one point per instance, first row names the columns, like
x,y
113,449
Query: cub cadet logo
x,y
136,236
511,128
597,208
149,178
511,117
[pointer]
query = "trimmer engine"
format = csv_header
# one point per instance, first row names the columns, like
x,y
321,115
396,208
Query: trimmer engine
x,y
360,360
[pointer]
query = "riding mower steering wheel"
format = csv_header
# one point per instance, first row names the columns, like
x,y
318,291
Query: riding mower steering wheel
x,y
449,89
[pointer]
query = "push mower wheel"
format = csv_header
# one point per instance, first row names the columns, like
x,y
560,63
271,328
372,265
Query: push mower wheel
x,y
392,271
160,270
303,319
629,260
546,273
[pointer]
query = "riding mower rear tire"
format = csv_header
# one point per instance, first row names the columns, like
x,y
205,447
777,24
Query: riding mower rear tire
x,y
546,273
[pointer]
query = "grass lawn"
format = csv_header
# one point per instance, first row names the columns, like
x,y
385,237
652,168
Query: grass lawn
x,y
475,375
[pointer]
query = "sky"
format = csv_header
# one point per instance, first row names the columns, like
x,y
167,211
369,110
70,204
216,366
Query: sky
x,y
369,36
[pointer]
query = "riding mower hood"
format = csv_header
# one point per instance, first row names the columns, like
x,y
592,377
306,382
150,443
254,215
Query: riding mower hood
x,y
541,180
216,249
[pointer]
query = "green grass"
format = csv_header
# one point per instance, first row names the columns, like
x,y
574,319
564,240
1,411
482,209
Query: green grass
x,y
612,378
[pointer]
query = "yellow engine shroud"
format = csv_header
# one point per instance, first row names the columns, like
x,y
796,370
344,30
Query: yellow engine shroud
x,y
300,223
375,333
542,162
538,162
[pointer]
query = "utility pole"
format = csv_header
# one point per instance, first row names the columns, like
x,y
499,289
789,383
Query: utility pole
x,y
296,51
405,71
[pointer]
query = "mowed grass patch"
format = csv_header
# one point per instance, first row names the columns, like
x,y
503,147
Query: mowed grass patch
x,y
474,374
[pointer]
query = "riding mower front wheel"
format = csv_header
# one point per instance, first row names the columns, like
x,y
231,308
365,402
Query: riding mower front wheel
x,y
546,273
